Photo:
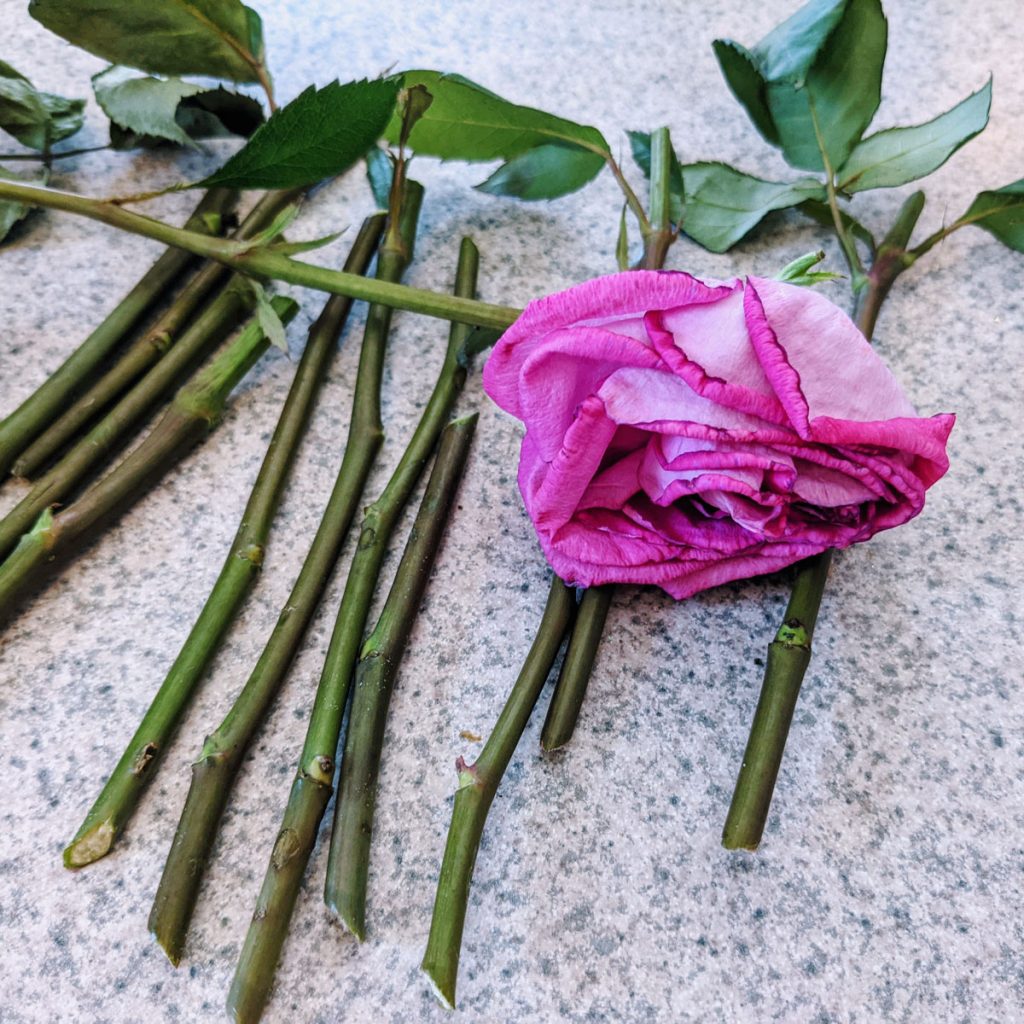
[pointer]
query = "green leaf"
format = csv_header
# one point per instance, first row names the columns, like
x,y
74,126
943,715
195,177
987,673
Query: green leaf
x,y
321,133
143,105
640,144
209,114
831,107
898,155
799,271
218,38
622,242
467,122
814,82
293,248
1000,213
380,171
819,212
723,204
268,318
66,116
789,51
544,172
36,119
10,211
747,84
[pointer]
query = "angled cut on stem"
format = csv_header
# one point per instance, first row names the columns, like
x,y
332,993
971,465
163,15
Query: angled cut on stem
x,y
478,784
138,764
34,415
214,772
378,667
196,409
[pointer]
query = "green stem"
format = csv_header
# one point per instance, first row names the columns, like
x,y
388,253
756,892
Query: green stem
x,y
138,764
659,237
789,654
378,667
574,678
159,337
345,888
26,422
858,279
571,688
51,156
264,262
632,200
477,786
222,753
194,412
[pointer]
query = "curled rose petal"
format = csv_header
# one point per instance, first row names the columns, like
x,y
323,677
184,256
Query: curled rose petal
x,y
686,434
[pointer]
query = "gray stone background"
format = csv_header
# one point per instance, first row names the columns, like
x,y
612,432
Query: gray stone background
x,y
888,884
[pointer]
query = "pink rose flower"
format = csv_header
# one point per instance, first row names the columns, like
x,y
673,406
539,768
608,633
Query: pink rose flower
x,y
685,433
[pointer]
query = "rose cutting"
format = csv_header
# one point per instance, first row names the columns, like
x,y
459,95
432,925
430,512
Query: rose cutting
x,y
686,434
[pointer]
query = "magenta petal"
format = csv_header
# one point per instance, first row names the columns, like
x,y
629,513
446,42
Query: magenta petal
x,y
772,356
616,296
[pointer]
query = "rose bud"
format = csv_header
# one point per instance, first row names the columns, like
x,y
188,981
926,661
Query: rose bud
x,y
685,433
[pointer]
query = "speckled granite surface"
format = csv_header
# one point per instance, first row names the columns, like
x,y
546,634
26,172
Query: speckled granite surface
x,y
888,888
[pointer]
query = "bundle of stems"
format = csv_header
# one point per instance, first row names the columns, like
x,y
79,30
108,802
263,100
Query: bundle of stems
x,y
789,653
158,337
379,663
222,753
220,316
138,764
195,410
33,416
479,783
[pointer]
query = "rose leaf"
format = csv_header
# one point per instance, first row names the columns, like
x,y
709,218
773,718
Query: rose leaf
x,y
724,204
544,172
1000,213
898,155
36,119
321,133
219,38
468,122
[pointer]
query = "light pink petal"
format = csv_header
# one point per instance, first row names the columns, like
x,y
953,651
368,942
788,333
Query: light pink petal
x,y
708,347
644,397
841,376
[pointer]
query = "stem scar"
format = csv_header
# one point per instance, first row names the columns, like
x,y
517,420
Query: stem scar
x,y
146,755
